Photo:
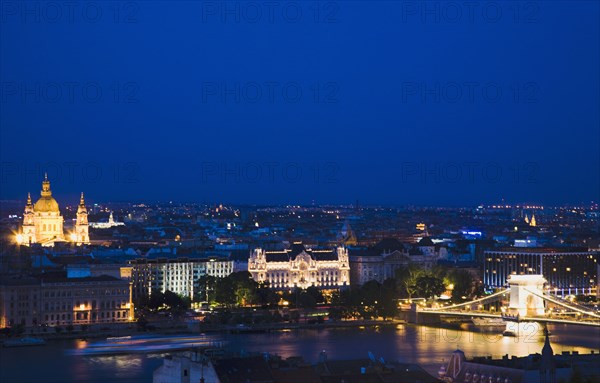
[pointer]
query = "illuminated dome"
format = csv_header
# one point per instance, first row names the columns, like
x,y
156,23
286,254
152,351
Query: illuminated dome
x,y
46,204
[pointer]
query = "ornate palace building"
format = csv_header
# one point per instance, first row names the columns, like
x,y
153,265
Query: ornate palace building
x,y
43,223
301,267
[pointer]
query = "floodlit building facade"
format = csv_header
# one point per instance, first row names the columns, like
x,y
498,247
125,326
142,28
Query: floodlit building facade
x,y
43,223
301,267
179,275
567,270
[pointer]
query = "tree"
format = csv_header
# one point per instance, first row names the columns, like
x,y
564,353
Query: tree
x,y
316,294
225,291
428,286
142,302
266,295
406,278
156,300
236,289
245,288
388,307
206,286
306,300
370,293
342,304
176,302
463,283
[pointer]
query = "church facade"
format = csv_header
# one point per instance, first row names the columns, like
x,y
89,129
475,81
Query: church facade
x,y
301,267
43,223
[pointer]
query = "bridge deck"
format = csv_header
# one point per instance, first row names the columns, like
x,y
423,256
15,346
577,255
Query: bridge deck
x,y
521,319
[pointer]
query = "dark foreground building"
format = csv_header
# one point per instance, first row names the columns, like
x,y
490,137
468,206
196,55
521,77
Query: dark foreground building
x,y
534,368
271,369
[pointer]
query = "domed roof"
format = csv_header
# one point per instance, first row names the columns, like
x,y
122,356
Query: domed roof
x,y
46,204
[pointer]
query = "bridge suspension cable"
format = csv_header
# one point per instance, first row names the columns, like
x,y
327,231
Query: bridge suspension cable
x,y
471,302
566,302
562,304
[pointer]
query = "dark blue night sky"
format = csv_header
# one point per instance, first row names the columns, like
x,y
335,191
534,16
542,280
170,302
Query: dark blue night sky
x,y
293,102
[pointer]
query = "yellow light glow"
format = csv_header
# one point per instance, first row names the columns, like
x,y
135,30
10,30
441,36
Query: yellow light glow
x,y
19,238
73,237
82,307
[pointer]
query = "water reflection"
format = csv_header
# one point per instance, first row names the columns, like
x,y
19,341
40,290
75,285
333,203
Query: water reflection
x,y
428,346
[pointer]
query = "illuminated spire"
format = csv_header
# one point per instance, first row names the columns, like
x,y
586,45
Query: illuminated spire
x,y
532,223
81,234
526,219
46,192
28,210
81,209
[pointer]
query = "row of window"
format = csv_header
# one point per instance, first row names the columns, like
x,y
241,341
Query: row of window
x,y
67,305
49,227
86,316
87,292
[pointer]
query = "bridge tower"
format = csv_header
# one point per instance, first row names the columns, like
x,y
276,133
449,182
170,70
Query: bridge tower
x,y
522,301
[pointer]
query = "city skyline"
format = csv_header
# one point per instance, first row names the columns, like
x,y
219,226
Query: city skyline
x,y
71,198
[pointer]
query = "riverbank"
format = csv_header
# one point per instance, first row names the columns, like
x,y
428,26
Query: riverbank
x,y
268,327
189,328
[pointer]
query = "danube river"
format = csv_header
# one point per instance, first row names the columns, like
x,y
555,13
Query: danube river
x,y
428,346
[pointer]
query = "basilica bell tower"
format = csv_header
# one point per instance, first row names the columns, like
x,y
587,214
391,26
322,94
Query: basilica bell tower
x,y
81,234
